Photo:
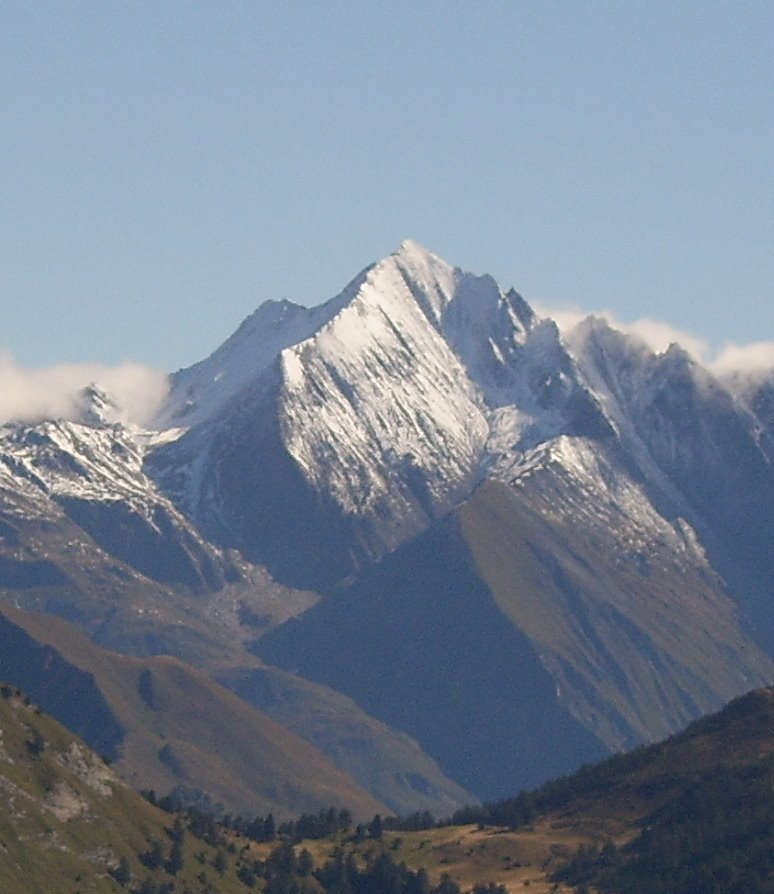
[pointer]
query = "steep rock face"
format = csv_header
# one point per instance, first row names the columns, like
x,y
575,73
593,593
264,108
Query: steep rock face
x,y
357,436
202,390
529,386
698,435
236,480
378,391
755,391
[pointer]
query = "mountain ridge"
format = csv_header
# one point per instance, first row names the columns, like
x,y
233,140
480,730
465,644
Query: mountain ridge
x,y
165,726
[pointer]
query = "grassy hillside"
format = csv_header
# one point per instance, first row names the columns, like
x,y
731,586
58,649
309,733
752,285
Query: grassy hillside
x,y
625,788
691,815
68,824
699,810
169,725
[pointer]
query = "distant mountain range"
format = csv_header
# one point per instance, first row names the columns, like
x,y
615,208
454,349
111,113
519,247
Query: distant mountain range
x,y
453,549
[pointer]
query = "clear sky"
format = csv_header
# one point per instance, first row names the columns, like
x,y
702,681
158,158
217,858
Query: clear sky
x,y
167,166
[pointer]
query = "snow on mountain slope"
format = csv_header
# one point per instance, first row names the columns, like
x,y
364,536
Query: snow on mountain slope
x,y
702,451
644,634
376,389
201,390
755,391
527,381
572,482
370,416
350,440
689,435
389,403
94,472
68,459
669,407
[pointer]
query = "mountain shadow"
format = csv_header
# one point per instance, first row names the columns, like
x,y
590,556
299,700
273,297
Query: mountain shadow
x,y
419,642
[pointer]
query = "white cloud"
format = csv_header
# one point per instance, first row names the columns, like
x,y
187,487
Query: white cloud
x,y
659,336
656,334
751,360
566,317
29,395
738,363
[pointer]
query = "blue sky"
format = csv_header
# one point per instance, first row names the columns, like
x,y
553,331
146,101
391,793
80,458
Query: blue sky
x,y
167,166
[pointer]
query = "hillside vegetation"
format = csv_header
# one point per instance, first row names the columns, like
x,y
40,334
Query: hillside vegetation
x,y
68,824
692,815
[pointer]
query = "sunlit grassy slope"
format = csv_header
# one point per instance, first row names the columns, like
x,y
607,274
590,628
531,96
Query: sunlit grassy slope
x,y
66,821
67,824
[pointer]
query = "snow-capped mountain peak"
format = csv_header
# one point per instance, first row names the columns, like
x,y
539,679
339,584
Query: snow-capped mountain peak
x,y
411,274
581,491
390,401
430,280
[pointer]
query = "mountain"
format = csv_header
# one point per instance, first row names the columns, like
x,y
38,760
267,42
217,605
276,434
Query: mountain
x,y
384,761
703,452
755,390
509,627
425,509
294,748
86,535
346,443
